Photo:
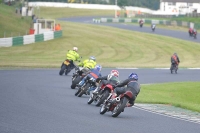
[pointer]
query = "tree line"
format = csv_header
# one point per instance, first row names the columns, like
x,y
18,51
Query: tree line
x,y
152,4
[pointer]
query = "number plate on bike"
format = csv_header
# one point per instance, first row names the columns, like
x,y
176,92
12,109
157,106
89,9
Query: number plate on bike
x,y
66,63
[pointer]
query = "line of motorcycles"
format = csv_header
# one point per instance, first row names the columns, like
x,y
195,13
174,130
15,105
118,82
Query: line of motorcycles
x,y
153,26
102,95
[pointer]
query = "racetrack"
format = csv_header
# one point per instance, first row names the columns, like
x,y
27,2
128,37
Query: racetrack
x,y
41,101
165,32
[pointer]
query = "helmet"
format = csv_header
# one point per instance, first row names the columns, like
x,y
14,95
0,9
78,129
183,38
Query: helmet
x,y
75,48
133,76
115,73
92,58
175,53
98,67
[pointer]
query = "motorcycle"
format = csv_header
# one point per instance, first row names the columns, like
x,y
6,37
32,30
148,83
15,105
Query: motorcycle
x,y
195,34
190,33
65,67
174,68
89,82
141,24
153,27
116,105
77,77
100,96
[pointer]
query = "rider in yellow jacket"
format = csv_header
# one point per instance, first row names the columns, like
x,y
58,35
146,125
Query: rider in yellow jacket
x,y
72,56
89,63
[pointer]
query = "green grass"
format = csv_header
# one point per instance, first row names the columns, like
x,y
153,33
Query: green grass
x,y
12,24
112,47
184,95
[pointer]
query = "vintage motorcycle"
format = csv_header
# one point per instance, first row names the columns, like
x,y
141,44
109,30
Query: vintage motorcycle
x,y
116,105
101,95
76,77
153,27
89,82
195,34
174,68
141,24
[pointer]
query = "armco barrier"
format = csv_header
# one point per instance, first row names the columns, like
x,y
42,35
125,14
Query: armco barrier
x,y
149,21
28,39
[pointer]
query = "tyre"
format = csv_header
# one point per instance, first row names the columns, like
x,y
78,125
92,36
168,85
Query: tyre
x,y
90,100
105,94
78,91
103,109
86,87
62,70
120,107
75,82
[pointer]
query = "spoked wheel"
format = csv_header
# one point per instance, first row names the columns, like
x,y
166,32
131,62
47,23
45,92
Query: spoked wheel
x,y
84,90
79,90
120,107
102,98
75,82
90,100
62,70
103,109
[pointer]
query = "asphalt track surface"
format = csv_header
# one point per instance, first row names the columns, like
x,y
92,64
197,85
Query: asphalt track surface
x,y
41,101
171,33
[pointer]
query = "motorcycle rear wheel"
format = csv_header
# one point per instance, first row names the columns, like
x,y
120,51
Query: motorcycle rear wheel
x,y
62,70
120,107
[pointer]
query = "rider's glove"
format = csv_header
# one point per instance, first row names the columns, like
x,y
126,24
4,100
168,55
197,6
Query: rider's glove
x,y
114,86
97,80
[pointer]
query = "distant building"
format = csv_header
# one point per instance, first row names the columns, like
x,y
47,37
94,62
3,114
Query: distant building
x,y
180,6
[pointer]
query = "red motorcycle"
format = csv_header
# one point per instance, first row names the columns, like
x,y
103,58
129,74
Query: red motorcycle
x,y
116,105
103,94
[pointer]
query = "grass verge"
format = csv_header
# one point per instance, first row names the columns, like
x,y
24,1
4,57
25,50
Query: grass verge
x,y
184,95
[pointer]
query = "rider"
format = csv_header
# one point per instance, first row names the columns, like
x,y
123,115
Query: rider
x,y
132,85
72,56
190,31
174,60
153,25
87,64
141,21
112,78
94,73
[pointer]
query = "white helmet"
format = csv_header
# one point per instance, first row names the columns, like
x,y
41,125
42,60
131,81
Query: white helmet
x,y
75,48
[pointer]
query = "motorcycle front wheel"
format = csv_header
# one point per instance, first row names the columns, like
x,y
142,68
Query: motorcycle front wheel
x,y
90,100
86,87
78,91
120,107
105,94
103,109
75,82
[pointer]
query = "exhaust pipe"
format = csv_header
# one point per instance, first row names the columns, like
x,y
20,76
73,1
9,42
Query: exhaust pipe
x,y
117,99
